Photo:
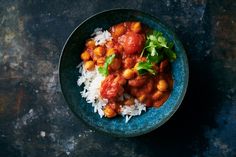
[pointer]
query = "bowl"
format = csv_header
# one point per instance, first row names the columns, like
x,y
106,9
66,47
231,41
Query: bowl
x,y
68,75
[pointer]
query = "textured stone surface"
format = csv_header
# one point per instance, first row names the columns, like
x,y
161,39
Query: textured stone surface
x,y
36,121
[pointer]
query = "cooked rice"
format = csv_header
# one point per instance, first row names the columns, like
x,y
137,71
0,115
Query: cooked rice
x,y
101,37
92,82
134,110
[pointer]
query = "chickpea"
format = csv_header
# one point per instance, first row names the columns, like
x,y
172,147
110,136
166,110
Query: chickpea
x,y
162,85
119,30
142,98
136,27
89,65
100,61
85,56
99,51
109,112
90,43
128,74
116,63
110,51
157,95
129,101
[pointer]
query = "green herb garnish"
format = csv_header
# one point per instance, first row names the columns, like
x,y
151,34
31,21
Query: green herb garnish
x,y
157,49
104,70
154,42
170,54
143,67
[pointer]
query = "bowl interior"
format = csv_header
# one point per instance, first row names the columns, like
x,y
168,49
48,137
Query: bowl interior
x,y
70,58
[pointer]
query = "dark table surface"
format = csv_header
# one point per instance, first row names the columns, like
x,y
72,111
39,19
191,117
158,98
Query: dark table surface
x,y
35,120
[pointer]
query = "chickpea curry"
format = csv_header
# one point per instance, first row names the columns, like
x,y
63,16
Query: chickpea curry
x,y
136,62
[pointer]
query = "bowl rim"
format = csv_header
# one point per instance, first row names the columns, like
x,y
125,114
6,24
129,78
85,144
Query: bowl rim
x,y
177,104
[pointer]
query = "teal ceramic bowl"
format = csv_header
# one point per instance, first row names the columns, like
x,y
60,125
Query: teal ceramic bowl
x,y
68,74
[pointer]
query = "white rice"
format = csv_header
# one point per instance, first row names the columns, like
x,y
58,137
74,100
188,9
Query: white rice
x,y
101,37
134,110
92,81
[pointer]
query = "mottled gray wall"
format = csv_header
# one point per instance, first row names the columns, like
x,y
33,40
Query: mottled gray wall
x,y
36,121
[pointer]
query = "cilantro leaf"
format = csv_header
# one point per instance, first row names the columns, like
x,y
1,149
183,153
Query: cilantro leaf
x,y
170,54
156,40
158,48
171,45
104,70
143,67
157,58
162,41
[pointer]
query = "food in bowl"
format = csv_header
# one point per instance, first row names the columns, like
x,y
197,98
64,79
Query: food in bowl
x,y
126,69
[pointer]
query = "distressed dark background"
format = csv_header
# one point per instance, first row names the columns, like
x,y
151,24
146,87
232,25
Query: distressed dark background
x,y
35,121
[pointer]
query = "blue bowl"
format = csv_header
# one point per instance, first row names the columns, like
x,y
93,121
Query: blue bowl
x,y
68,74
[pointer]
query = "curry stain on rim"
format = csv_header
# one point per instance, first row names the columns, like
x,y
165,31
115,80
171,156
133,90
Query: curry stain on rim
x,y
176,97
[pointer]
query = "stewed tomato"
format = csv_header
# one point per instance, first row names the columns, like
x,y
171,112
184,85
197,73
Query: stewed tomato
x,y
111,88
132,42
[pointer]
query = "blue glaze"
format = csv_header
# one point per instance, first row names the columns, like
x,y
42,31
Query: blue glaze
x,y
70,58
